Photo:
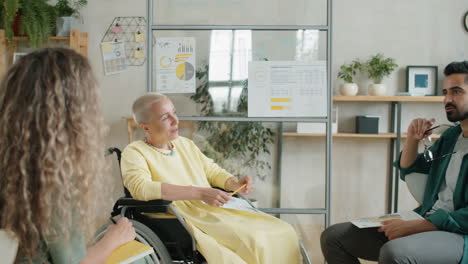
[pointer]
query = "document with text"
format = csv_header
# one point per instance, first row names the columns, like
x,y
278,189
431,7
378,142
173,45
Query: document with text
x,y
287,89
377,221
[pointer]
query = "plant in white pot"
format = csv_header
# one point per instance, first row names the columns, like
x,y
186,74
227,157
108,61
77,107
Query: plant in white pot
x,y
378,67
346,73
67,12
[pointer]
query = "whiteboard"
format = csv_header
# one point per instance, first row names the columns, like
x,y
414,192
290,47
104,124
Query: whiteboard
x,y
287,89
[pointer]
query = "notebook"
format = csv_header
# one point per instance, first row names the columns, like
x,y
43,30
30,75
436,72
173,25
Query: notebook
x,y
377,221
129,252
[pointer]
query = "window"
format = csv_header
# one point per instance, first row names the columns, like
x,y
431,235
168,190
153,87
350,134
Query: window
x,y
230,53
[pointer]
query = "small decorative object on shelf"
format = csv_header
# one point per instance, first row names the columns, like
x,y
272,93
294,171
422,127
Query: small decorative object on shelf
x,y
367,124
346,73
67,13
421,80
378,67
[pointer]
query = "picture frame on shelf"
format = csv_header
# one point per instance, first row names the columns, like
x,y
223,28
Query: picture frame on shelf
x,y
421,80
18,55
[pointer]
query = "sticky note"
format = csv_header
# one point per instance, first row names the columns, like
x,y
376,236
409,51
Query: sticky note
x,y
139,37
277,107
106,47
138,54
280,100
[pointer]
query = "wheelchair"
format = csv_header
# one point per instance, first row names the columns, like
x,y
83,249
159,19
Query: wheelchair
x,y
170,237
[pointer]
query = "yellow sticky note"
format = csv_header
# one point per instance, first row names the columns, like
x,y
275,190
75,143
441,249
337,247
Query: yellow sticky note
x,y
139,37
106,47
138,54
276,107
280,100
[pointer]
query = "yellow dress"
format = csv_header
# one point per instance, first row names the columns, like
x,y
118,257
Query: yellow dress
x,y
222,235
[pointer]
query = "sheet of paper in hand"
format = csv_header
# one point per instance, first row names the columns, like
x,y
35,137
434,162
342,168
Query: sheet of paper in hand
x,y
377,221
239,204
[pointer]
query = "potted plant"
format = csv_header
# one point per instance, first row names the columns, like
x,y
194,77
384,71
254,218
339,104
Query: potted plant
x,y
33,18
236,146
346,73
67,11
378,67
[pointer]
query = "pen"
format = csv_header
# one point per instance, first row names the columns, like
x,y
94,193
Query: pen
x,y
238,189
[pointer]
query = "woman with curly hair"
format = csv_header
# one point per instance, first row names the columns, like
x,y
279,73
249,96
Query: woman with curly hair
x,y
52,158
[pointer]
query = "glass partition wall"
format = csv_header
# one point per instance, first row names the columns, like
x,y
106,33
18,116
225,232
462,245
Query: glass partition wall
x,y
292,178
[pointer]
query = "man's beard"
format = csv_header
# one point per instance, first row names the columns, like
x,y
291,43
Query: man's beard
x,y
455,115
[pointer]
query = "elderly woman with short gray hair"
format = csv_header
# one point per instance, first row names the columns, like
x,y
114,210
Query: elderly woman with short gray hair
x,y
167,166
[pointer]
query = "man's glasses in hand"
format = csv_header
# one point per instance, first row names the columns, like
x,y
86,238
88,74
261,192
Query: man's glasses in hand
x,y
427,141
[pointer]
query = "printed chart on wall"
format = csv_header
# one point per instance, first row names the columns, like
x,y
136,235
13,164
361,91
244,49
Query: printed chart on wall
x,y
287,89
113,56
175,65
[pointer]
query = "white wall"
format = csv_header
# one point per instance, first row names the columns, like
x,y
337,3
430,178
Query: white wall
x,y
418,32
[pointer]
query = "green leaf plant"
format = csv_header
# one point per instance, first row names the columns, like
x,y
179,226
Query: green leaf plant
x,y
348,71
378,67
66,8
236,146
37,19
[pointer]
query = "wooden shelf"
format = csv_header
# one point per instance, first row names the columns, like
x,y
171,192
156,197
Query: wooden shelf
x,y
348,135
77,41
368,98
50,38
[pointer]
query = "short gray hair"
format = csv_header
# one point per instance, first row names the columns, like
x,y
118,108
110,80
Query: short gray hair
x,y
141,107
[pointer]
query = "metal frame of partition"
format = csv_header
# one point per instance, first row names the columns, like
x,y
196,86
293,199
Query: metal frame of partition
x,y
327,120
395,149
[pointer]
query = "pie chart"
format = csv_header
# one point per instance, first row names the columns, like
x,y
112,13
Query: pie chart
x,y
185,71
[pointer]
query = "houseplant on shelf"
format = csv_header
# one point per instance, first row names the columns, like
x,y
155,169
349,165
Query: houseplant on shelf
x,y
67,11
378,67
33,18
346,73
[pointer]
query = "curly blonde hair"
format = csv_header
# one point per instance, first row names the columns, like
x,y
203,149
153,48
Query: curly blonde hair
x,y
51,147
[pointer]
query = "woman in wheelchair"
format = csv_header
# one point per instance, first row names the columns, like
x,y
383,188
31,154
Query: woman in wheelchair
x,y
169,167
51,143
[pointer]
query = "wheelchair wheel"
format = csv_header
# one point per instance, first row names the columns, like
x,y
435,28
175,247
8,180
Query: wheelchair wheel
x,y
145,236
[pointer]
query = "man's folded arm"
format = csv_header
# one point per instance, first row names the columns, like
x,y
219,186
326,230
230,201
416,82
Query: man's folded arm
x,y
455,222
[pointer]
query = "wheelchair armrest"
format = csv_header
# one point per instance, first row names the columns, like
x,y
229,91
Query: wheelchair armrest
x,y
124,201
152,206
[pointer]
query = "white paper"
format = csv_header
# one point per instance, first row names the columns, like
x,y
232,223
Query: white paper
x,y
239,204
287,89
377,221
175,65
113,56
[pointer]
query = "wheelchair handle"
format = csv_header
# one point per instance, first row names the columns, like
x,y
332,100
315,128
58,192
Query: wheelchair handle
x,y
115,150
